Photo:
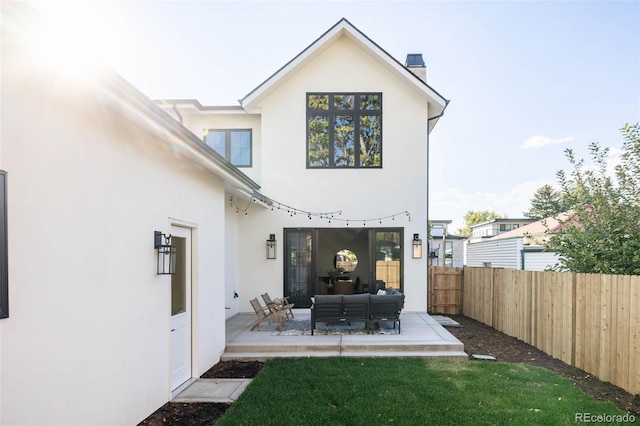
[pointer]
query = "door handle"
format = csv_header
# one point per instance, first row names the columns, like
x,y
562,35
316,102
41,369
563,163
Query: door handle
x,y
173,329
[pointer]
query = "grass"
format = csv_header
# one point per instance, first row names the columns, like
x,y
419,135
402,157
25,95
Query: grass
x,y
393,391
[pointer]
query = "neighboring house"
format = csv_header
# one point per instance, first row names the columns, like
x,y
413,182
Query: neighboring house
x,y
493,227
520,248
445,249
337,138
90,332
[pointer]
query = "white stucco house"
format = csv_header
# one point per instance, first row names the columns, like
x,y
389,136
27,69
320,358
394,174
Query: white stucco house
x,y
330,153
338,141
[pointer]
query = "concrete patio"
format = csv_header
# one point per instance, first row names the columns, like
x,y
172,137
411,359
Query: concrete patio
x,y
422,336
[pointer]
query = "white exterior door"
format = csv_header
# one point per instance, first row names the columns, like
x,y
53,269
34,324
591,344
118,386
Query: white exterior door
x,y
181,308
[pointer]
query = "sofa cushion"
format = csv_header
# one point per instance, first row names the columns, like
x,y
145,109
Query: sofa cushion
x,y
327,298
357,298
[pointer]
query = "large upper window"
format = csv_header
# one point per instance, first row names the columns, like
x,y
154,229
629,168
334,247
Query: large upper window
x,y
344,130
232,144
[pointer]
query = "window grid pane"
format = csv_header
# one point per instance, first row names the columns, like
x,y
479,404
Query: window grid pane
x,y
370,140
370,102
240,147
318,141
344,137
216,140
343,102
320,102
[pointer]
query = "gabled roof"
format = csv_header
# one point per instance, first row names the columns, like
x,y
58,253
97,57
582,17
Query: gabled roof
x,y
344,28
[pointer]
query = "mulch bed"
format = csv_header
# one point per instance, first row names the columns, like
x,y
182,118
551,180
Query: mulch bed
x,y
477,338
203,413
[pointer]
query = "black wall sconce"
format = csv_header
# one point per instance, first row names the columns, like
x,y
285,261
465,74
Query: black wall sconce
x,y
166,253
417,247
271,246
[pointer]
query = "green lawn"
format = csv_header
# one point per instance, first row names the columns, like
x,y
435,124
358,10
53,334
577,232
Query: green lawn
x,y
392,391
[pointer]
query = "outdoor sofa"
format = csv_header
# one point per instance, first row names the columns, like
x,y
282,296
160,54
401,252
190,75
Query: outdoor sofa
x,y
367,308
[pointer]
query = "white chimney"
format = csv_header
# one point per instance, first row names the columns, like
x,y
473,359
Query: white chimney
x,y
415,64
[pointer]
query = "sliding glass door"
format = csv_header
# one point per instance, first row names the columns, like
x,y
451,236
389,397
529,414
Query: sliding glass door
x,y
310,253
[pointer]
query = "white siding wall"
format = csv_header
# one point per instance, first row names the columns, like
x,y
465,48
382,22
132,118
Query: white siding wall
x,y
88,336
539,261
500,253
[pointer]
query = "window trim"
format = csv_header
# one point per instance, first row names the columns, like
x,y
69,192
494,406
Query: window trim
x,y
227,144
332,112
4,257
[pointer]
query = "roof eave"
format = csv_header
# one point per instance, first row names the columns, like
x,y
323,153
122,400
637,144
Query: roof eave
x,y
216,163
344,28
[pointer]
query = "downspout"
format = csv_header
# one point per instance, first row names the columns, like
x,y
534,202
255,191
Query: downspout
x,y
522,259
429,168
428,171
427,210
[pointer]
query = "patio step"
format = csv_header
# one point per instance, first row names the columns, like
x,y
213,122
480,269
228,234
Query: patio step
x,y
336,346
262,356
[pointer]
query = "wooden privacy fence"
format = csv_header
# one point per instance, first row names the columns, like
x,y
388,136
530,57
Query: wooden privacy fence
x,y
445,290
586,320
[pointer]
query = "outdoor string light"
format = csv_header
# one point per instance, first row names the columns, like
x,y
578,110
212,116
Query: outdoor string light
x,y
293,211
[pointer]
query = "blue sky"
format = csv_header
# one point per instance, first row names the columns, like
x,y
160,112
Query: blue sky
x,y
526,80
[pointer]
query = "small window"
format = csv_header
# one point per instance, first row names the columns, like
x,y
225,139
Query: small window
x,y
4,258
233,144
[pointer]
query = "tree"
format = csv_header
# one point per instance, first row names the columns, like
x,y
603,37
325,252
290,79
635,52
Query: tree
x,y
546,202
600,234
473,217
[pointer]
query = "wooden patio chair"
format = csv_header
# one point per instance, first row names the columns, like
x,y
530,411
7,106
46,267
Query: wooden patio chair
x,y
279,304
265,313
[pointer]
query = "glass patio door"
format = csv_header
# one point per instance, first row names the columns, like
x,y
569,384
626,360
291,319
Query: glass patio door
x,y
298,250
387,252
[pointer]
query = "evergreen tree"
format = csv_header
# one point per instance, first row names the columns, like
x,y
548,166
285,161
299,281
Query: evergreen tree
x,y
546,202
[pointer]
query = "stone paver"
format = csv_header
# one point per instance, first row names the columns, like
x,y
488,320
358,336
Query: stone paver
x,y
213,390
